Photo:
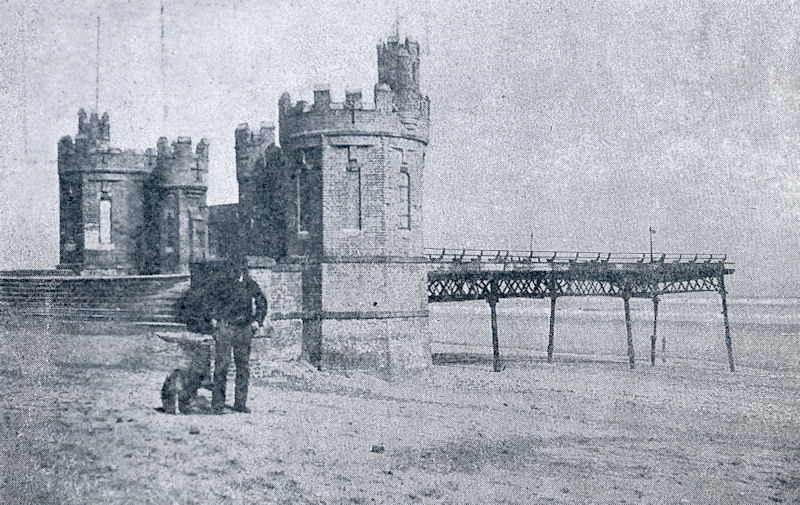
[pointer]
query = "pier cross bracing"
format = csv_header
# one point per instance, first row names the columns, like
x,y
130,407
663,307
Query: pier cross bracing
x,y
472,274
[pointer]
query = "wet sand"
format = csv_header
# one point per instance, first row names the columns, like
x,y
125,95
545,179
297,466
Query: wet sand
x,y
80,425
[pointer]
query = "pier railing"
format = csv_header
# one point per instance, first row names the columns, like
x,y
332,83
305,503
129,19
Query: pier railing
x,y
567,257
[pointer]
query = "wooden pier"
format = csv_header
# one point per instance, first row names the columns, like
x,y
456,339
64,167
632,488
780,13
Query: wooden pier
x,y
470,274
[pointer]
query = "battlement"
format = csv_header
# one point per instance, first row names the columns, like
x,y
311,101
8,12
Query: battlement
x,y
96,132
182,148
261,139
177,165
78,156
393,48
250,146
354,116
398,67
398,108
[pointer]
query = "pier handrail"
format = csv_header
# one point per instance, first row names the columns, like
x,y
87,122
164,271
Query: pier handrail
x,y
464,255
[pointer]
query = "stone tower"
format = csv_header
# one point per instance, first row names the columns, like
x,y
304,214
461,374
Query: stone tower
x,y
110,200
352,200
259,172
179,215
101,201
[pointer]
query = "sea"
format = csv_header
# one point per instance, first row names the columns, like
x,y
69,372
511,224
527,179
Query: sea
x,y
765,331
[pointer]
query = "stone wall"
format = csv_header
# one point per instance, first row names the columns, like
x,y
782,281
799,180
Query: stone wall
x,y
125,196
374,315
282,340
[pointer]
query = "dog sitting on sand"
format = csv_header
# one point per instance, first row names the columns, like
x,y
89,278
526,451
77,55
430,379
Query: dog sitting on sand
x,y
179,392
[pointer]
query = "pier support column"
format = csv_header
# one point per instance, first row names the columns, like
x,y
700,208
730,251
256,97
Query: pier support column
x,y
552,326
728,342
663,348
655,329
626,298
553,288
492,299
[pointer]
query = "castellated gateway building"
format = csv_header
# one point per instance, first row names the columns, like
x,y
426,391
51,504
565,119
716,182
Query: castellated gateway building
x,y
337,206
130,212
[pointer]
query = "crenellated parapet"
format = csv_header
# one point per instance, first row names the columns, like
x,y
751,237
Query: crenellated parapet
x,y
398,66
178,166
382,117
74,157
250,146
94,133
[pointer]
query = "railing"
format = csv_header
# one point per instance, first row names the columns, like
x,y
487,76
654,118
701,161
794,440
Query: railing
x,y
566,257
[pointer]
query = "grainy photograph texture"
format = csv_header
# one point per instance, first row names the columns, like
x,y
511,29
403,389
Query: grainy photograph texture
x,y
411,252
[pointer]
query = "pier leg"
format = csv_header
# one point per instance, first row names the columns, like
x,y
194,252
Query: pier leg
x,y
631,356
495,343
552,328
655,328
728,342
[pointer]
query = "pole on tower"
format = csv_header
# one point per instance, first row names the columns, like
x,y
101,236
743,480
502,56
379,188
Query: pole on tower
x,y
652,232
97,71
163,70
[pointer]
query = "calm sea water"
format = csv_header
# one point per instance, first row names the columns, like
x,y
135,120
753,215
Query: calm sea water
x,y
765,331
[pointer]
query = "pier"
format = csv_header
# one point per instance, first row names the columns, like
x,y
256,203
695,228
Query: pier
x,y
473,274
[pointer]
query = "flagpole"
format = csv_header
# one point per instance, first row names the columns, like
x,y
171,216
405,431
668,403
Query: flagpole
x,y
97,71
652,232
163,71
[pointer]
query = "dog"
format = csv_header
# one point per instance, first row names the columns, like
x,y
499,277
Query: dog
x,y
179,391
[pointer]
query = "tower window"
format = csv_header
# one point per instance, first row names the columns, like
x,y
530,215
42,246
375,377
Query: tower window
x,y
404,189
352,218
172,234
302,193
105,220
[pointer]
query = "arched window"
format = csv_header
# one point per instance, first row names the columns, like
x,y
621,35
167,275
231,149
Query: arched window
x,y
404,189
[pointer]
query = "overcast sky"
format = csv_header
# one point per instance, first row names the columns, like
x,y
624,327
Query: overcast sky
x,y
583,123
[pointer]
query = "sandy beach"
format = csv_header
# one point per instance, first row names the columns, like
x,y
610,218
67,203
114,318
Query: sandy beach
x,y
81,425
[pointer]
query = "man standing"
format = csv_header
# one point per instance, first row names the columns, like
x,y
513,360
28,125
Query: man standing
x,y
238,310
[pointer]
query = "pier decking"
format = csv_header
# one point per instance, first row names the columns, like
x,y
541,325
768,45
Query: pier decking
x,y
471,274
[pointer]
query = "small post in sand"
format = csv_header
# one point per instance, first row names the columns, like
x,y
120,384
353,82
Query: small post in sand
x,y
626,297
492,299
655,328
728,342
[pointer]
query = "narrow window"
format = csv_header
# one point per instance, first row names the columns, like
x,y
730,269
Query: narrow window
x,y
353,203
172,234
105,220
300,189
404,189
198,240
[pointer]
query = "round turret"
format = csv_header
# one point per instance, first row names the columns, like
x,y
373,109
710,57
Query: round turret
x,y
178,166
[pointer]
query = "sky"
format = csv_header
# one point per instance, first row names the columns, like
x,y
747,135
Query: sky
x,y
561,125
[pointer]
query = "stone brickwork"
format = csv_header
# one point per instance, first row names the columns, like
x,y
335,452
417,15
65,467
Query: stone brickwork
x,y
130,212
223,230
281,284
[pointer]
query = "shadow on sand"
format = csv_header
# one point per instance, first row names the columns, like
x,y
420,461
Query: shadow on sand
x,y
468,358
